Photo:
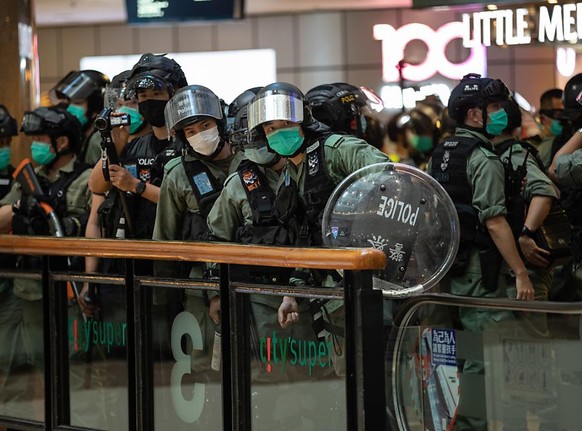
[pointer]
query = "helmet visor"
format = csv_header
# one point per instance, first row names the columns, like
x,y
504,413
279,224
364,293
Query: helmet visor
x,y
114,96
188,105
373,101
271,107
35,124
75,86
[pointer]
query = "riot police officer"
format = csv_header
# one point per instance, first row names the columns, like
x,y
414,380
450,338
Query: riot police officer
x,y
318,160
246,212
10,307
82,93
341,106
154,79
538,194
191,184
415,135
550,121
467,167
56,136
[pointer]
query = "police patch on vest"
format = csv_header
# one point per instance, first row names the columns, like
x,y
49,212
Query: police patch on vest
x,y
203,183
313,163
445,162
251,180
144,175
451,144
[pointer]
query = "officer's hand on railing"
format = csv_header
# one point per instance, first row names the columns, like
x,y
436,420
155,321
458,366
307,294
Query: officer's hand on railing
x,y
524,287
288,311
214,309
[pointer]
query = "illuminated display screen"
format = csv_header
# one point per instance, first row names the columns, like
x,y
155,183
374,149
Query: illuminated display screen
x,y
144,11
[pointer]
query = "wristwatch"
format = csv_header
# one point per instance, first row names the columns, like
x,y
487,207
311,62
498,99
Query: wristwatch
x,y
525,231
140,188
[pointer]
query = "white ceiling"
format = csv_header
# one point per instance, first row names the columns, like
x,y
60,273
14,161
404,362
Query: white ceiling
x,y
71,12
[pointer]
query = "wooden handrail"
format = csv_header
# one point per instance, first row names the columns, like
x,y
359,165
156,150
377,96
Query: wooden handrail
x,y
239,254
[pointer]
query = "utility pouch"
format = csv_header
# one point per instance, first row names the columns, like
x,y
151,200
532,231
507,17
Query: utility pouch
x,y
555,235
490,260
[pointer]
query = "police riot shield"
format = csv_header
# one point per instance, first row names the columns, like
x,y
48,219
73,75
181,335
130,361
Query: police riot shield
x,y
402,211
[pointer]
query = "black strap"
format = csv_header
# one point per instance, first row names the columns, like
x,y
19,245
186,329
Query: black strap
x,y
260,196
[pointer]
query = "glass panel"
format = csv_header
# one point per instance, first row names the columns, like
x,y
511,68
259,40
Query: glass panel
x,y
513,375
21,342
98,358
297,372
187,382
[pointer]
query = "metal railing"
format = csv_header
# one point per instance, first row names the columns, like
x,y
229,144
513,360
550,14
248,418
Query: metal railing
x,y
365,389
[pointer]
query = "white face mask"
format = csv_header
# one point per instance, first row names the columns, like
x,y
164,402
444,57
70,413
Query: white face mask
x,y
205,142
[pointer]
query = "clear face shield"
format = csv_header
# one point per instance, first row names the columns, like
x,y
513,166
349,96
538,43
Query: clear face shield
x,y
275,105
114,97
41,123
74,86
188,104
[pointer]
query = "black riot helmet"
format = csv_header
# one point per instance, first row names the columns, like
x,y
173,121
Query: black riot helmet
x,y
237,117
53,121
157,71
339,105
474,91
117,90
279,101
8,125
572,109
513,112
192,104
86,85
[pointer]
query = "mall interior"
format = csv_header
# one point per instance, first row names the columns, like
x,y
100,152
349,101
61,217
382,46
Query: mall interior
x,y
138,370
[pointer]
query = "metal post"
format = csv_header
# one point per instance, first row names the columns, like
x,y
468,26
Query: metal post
x,y
139,352
365,373
236,381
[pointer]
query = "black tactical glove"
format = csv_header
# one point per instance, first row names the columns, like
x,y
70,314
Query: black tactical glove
x,y
28,206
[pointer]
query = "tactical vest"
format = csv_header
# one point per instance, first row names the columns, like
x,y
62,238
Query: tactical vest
x,y
56,193
6,181
317,188
449,168
144,158
206,188
266,228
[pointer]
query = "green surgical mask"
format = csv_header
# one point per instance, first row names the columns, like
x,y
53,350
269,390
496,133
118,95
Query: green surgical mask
x,y
498,122
41,153
79,113
135,118
4,157
556,128
422,144
285,142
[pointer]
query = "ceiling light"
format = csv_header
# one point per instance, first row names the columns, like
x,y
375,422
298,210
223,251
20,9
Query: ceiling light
x,y
491,7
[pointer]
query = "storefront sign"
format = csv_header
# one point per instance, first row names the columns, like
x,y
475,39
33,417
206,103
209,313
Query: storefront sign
x,y
522,26
394,42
